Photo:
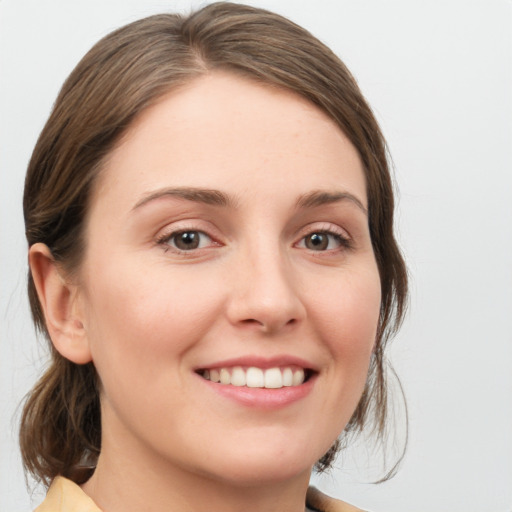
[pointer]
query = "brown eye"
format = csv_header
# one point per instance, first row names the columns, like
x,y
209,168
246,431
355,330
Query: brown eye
x,y
317,241
188,240
323,241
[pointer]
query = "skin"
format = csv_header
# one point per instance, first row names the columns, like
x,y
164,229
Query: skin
x,y
149,315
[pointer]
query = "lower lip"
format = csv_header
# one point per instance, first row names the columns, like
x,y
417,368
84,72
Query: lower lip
x,y
262,398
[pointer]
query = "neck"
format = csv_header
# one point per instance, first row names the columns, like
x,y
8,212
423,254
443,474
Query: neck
x,y
132,475
119,484
129,490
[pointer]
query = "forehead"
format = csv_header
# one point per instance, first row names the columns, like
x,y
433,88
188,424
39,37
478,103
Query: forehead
x,y
224,131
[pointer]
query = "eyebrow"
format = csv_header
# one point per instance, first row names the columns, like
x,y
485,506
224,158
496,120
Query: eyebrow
x,y
322,197
218,198
198,195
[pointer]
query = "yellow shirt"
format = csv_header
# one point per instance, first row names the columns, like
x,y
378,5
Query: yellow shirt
x,y
66,496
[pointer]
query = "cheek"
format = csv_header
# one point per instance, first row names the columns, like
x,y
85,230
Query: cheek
x,y
348,318
145,319
142,327
353,307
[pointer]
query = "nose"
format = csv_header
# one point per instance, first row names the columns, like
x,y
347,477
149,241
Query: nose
x,y
265,292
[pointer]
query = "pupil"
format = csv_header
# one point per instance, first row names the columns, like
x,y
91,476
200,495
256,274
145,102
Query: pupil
x,y
187,240
317,241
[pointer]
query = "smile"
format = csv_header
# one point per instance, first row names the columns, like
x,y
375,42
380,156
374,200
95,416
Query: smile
x,y
254,377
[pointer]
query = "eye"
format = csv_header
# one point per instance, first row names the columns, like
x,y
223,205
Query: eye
x,y
187,240
323,241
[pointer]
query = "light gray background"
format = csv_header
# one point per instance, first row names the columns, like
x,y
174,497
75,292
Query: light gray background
x,y
439,76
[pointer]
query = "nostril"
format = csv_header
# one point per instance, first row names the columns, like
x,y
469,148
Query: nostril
x,y
249,321
268,325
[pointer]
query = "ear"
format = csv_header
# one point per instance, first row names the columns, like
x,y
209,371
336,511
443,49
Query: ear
x,y
58,300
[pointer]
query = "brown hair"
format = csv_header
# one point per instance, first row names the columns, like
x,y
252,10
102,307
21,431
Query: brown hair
x,y
117,79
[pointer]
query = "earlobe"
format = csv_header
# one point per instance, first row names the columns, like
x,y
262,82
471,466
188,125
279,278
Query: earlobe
x,y
58,301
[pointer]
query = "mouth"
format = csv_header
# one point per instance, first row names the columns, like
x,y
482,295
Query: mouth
x,y
254,377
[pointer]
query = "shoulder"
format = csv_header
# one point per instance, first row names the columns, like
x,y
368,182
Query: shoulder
x,y
66,496
318,501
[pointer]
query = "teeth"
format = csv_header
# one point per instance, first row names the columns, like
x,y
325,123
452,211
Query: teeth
x,y
255,378
238,377
298,377
287,377
272,378
225,377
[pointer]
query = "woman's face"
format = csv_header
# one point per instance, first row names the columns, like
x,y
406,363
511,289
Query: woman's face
x,y
228,239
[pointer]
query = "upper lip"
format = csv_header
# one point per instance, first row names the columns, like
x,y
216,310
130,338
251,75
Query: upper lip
x,y
261,362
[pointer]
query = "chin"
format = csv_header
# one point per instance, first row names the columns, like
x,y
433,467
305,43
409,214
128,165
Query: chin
x,y
260,467
263,474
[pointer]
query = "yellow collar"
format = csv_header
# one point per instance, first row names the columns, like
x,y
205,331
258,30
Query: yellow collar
x,y
66,496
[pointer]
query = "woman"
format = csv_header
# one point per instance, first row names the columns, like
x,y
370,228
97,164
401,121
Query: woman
x,y
210,220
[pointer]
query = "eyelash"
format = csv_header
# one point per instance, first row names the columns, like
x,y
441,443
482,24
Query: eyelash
x,y
343,242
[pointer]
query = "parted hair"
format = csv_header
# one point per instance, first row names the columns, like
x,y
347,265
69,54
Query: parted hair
x,y
121,76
